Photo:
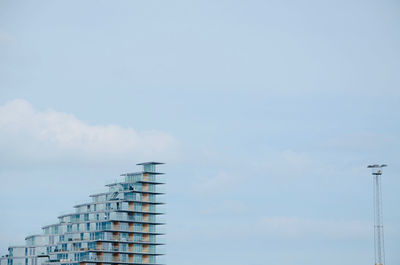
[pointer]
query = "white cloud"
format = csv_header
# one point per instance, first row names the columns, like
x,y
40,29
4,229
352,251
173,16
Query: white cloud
x,y
30,134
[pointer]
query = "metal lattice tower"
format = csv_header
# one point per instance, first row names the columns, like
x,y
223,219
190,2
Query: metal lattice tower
x,y
378,222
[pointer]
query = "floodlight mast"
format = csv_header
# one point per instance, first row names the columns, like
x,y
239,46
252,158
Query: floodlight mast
x,y
378,222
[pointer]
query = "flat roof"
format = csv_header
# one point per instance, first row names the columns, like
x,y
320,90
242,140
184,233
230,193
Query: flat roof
x,y
150,163
140,181
142,172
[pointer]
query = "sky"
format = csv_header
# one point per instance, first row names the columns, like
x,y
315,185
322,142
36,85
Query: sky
x,y
266,114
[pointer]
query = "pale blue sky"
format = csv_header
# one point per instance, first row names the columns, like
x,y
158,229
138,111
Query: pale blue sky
x,y
266,113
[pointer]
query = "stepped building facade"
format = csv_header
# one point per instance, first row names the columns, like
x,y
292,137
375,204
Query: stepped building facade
x,y
120,226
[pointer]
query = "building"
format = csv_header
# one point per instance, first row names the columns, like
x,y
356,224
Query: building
x,y
120,226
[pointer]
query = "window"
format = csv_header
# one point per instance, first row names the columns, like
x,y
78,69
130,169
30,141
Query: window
x,y
152,249
76,246
92,245
138,207
123,236
152,187
103,226
124,247
124,226
124,257
31,251
138,227
152,228
62,256
96,236
137,258
138,217
149,168
137,237
76,218
137,248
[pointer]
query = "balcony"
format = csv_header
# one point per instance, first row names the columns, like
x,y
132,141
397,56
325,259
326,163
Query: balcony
x,y
118,260
144,250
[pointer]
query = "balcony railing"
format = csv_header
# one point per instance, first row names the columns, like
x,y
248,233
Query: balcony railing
x,y
97,259
149,251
